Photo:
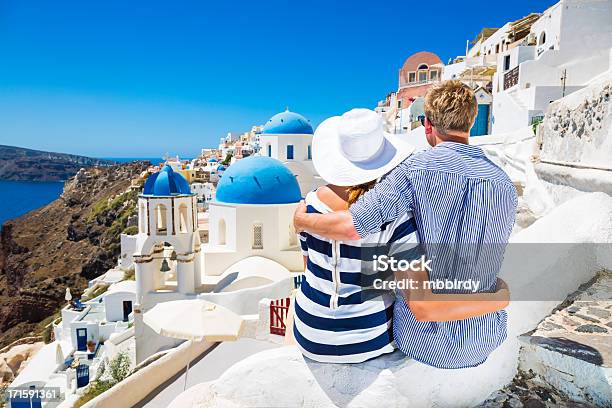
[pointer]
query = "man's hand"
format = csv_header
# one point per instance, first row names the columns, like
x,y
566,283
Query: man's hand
x,y
298,217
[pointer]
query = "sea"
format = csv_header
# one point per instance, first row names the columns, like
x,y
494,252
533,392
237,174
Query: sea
x,y
19,197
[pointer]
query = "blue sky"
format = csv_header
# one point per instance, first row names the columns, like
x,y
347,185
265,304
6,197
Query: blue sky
x,y
119,78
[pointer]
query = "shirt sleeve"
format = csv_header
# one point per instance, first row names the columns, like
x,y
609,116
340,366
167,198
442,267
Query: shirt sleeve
x,y
389,198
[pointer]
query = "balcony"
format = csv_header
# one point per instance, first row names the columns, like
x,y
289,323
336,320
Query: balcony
x,y
511,77
418,83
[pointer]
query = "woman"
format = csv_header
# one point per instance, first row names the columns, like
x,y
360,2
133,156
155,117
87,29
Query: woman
x,y
335,319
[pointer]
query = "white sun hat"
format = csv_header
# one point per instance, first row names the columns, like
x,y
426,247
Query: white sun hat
x,y
354,149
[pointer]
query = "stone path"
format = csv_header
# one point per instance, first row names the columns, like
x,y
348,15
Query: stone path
x,y
567,360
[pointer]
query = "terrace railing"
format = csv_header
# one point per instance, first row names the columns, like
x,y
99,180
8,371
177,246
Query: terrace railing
x,y
511,77
279,309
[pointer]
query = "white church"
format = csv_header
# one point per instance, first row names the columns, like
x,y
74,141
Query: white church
x,y
287,137
252,242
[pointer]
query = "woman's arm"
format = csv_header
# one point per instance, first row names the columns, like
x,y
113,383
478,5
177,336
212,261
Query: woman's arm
x,y
430,307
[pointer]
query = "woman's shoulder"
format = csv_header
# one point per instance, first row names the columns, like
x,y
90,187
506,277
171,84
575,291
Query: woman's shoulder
x,y
323,200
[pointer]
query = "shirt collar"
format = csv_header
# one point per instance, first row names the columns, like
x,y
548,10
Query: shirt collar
x,y
462,148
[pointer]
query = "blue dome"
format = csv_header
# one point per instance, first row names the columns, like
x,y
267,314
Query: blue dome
x,y
288,123
166,183
212,160
258,180
221,168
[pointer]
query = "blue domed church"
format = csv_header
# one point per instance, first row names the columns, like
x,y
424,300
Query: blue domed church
x,y
252,215
287,137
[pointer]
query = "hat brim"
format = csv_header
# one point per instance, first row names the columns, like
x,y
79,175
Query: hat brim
x,y
336,169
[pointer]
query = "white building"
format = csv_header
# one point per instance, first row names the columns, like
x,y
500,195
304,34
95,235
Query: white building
x,y
572,42
205,192
287,137
119,301
250,229
252,215
478,67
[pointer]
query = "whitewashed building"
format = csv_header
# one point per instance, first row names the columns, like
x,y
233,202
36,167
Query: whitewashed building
x,y
205,192
568,46
287,137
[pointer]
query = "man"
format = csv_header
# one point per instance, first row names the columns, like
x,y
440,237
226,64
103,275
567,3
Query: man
x,y
464,207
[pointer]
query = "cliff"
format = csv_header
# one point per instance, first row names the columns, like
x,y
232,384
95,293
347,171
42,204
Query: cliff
x,y
63,244
21,164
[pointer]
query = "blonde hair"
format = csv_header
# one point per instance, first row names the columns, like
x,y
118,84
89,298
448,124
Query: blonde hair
x,y
355,192
451,106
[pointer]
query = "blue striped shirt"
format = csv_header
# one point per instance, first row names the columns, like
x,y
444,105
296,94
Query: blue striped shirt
x,y
334,321
464,207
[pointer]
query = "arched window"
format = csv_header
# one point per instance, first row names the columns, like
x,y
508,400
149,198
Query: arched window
x,y
423,66
542,38
161,220
293,239
142,218
221,232
183,218
257,235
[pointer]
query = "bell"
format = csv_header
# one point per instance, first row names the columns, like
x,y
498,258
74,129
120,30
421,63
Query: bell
x,y
173,256
164,266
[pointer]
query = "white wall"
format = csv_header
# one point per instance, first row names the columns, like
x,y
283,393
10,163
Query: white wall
x,y
452,71
279,145
128,247
276,222
113,304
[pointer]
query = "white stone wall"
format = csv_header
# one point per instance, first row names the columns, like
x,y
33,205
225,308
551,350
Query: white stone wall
x,y
578,129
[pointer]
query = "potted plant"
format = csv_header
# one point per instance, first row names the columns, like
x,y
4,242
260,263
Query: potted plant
x,y
91,346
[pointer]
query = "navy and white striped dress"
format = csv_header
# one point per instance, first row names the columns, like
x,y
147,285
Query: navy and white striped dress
x,y
332,322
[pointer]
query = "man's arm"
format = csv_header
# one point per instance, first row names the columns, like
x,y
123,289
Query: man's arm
x,y
337,225
430,307
385,202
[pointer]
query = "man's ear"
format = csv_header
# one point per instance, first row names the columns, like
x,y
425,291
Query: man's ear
x,y
431,139
428,127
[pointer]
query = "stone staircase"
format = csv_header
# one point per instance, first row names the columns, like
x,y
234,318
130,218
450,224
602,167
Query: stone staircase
x,y
567,360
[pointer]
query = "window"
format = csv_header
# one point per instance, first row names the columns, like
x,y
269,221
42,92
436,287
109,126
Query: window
x,y
309,152
269,150
542,38
412,77
423,66
433,75
160,219
289,152
183,219
221,238
422,76
496,48
506,62
293,238
142,218
257,236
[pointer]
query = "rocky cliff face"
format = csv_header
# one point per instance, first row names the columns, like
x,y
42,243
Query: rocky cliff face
x,y
21,164
63,244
